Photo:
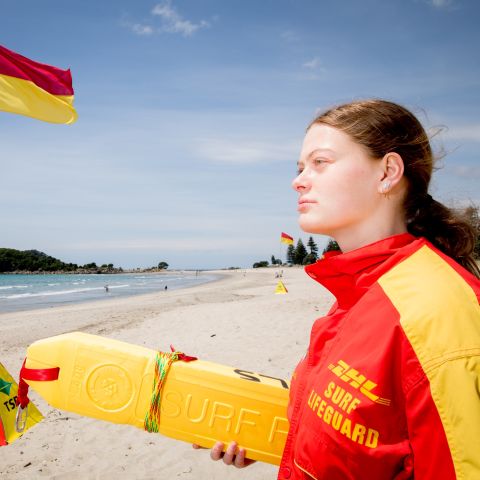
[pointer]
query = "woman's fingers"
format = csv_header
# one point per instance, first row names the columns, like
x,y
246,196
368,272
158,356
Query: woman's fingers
x,y
216,453
229,455
232,456
240,459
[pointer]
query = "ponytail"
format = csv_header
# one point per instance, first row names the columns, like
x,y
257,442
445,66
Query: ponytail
x,y
444,228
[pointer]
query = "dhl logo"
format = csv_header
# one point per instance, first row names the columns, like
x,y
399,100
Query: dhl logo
x,y
358,381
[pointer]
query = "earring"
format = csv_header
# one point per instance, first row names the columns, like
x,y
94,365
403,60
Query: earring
x,y
386,187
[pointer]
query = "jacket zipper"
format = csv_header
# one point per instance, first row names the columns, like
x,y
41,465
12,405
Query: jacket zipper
x,y
303,470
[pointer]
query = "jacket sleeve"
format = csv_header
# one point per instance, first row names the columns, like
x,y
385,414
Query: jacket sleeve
x,y
443,417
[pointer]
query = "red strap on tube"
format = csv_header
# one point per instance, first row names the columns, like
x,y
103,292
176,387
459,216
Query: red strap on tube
x,y
36,374
182,356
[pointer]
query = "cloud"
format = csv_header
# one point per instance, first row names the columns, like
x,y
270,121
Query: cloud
x,y
466,171
237,151
440,3
172,244
140,29
314,63
173,22
289,36
470,133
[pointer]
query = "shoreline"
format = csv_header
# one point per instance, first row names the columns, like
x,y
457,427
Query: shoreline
x,y
106,272
57,301
119,306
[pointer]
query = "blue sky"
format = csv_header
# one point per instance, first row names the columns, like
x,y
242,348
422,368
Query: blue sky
x,y
192,113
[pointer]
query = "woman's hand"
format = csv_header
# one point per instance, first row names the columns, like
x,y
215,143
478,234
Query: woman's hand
x,y
233,455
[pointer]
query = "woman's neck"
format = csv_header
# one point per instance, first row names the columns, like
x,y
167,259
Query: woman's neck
x,y
351,240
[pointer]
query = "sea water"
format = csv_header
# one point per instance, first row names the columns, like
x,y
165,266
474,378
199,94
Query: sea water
x,y
26,292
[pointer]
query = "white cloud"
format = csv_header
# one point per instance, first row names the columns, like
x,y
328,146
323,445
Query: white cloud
x,y
466,171
173,244
245,151
289,36
137,28
440,3
314,63
470,133
140,29
173,22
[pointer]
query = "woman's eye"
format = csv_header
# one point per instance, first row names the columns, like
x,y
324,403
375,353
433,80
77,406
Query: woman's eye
x,y
318,161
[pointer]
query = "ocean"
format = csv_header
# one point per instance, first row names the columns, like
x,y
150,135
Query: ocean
x,y
27,292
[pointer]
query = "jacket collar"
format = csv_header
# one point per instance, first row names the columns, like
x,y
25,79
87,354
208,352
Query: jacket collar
x,y
348,275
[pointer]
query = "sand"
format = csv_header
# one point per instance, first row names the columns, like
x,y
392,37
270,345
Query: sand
x,y
236,321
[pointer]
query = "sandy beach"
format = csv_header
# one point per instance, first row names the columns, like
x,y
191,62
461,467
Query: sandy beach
x,y
236,320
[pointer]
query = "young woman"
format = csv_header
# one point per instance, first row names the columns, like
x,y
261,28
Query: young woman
x,y
390,385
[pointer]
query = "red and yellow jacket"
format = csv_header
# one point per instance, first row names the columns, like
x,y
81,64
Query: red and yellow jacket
x,y
390,385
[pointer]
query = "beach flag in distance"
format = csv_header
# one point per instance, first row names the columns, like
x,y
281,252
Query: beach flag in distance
x,y
284,238
281,288
34,89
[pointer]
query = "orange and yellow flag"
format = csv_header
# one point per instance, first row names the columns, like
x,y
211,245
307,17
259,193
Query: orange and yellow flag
x,y
284,238
35,89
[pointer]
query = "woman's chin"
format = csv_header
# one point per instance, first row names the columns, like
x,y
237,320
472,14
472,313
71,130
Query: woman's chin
x,y
309,226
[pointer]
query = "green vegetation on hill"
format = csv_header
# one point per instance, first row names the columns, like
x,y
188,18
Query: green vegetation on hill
x,y
30,260
12,260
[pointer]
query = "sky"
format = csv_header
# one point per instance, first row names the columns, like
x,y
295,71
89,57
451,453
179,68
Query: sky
x,y
191,115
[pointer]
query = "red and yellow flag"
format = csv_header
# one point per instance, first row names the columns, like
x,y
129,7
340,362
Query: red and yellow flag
x,y
284,238
35,89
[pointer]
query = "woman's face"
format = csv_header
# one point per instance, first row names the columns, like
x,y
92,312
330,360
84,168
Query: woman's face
x,y
338,185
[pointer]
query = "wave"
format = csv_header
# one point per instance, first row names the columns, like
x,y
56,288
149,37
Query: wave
x,y
60,292
8,287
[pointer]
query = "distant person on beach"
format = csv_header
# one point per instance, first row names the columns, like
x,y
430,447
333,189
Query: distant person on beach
x,y
106,289
389,386
165,287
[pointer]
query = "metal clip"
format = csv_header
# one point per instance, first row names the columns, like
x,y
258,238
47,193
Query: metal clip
x,y
21,418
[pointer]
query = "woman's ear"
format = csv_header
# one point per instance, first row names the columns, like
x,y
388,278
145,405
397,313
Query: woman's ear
x,y
392,169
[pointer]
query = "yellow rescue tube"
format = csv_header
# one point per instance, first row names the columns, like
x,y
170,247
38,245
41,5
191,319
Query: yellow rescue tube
x,y
201,402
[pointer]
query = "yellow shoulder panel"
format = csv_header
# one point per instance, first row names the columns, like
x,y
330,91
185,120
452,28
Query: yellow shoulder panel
x,y
440,316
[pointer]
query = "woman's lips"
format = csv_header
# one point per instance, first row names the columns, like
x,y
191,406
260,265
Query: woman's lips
x,y
304,205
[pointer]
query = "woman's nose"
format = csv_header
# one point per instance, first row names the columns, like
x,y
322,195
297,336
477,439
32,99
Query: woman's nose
x,y
299,183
